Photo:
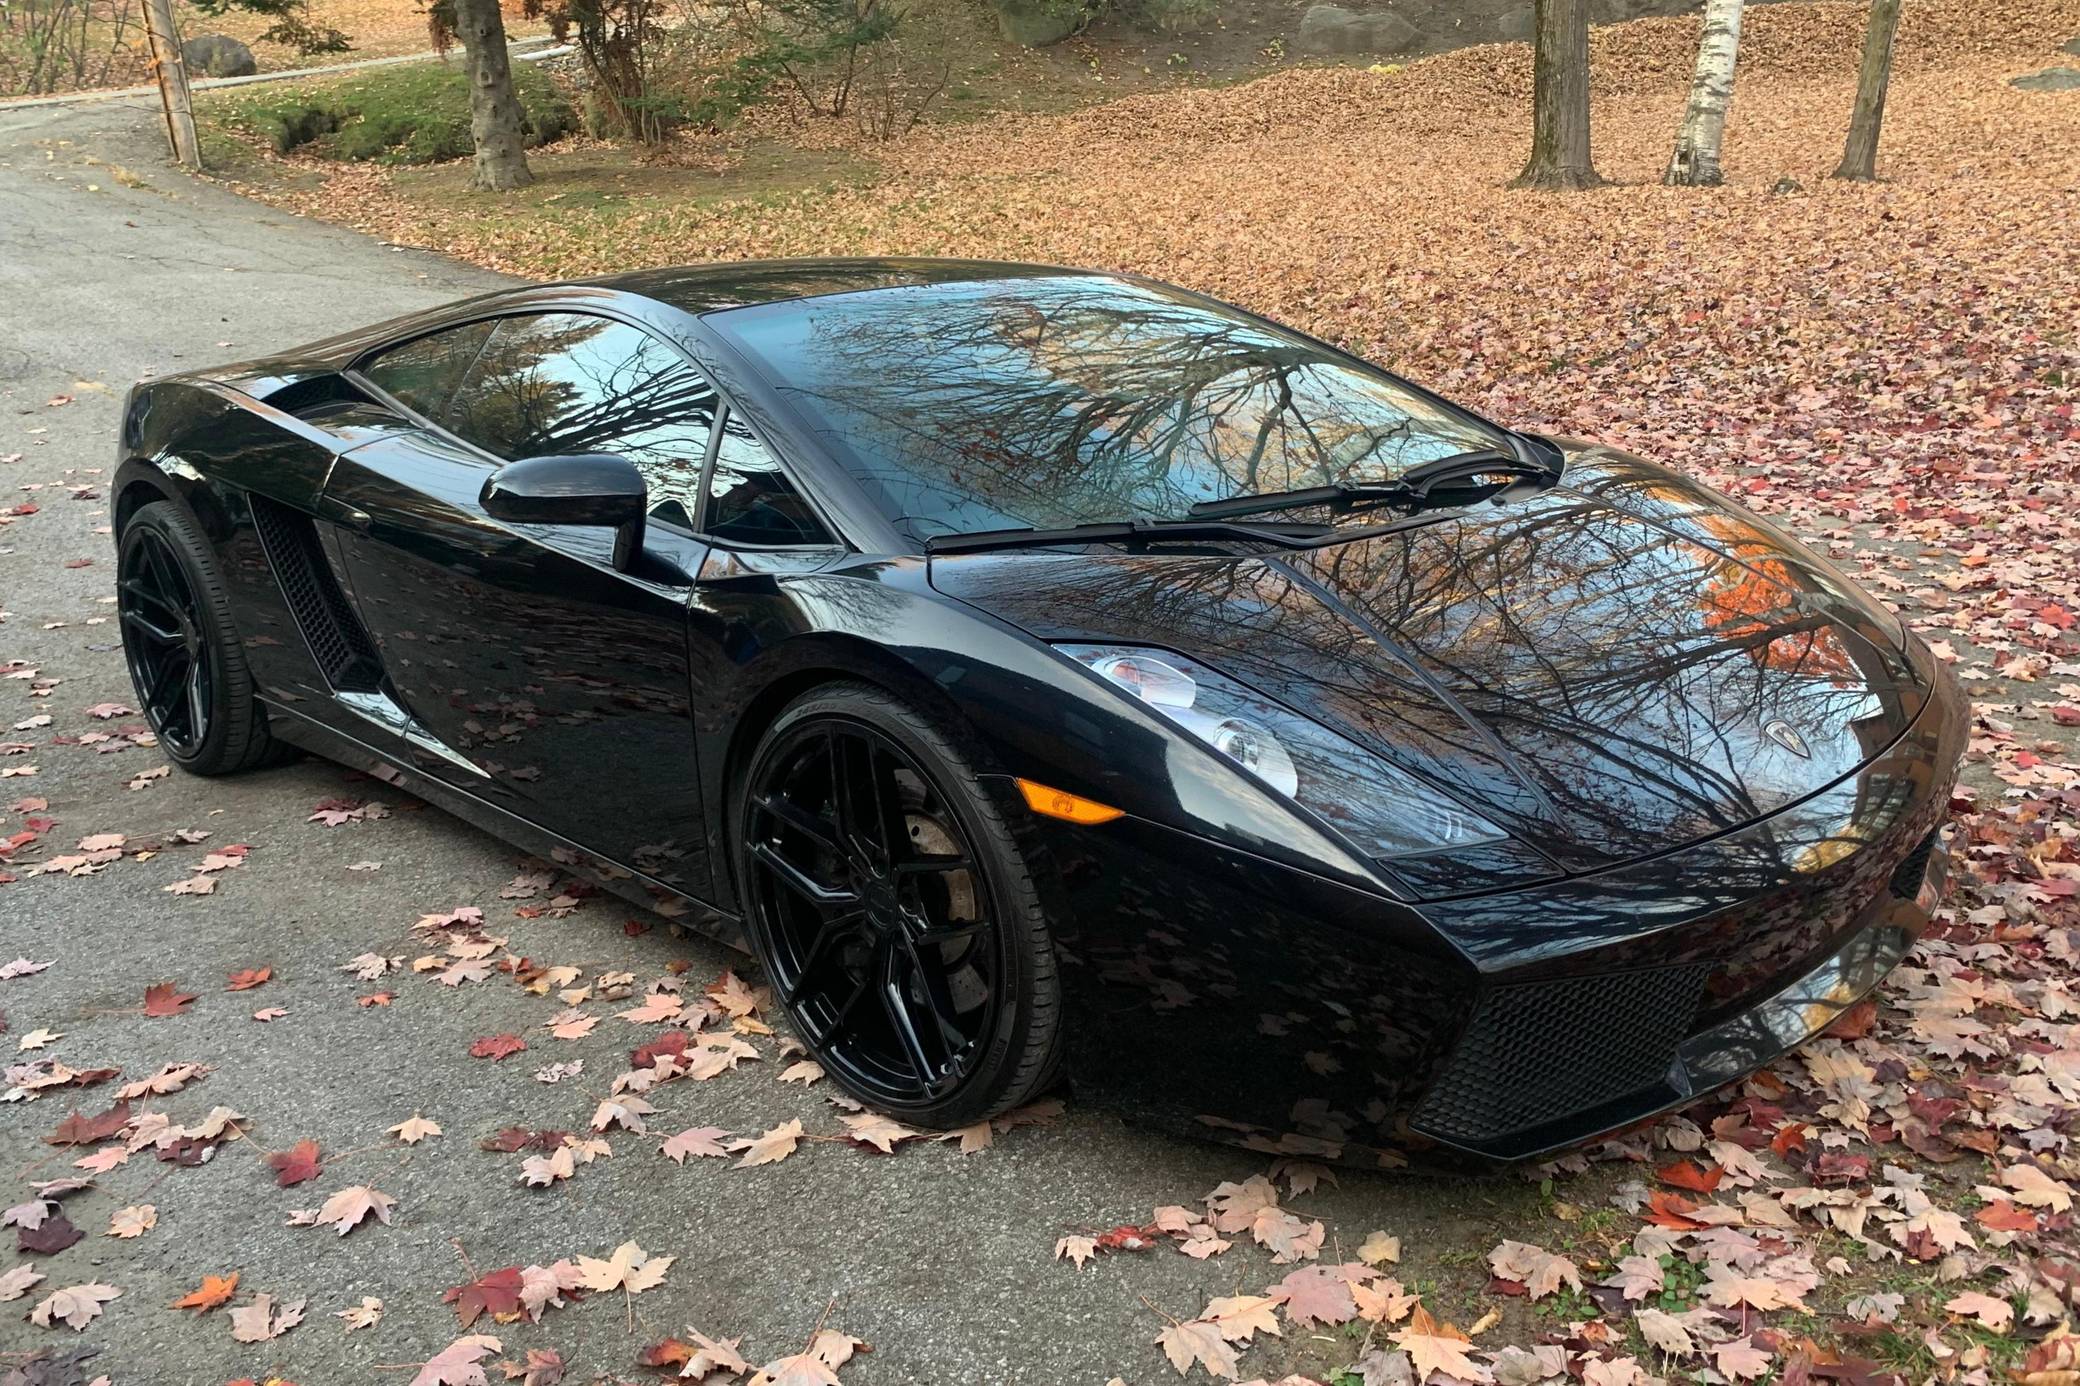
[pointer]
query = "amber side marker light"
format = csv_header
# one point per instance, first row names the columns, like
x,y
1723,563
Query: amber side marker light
x,y
1056,803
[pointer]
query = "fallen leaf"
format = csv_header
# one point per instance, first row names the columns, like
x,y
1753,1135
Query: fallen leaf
x,y
75,1306
263,1320
296,1164
161,1000
414,1128
696,1140
347,1209
1996,1315
133,1221
1200,1342
770,1148
459,1363
497,1047
494,1293
1437,1348
214,1290
366,1314
630,1268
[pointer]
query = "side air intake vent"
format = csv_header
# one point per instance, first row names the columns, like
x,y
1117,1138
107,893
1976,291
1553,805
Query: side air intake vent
x,y
345,654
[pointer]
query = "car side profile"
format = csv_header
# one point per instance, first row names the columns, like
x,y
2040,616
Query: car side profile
x,y
1050,673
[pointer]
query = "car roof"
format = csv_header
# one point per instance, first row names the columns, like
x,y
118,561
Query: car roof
x,y
712,288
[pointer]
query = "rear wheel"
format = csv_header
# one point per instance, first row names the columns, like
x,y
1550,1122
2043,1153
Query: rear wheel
x,y
888,898
182,649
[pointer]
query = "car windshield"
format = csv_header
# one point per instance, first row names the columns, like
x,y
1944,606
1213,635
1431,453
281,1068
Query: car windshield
x,y
1063,400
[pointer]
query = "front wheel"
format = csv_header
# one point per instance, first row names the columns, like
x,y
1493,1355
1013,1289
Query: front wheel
x,y
888,898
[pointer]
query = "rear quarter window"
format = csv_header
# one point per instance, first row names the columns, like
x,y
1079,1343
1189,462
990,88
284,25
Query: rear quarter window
x,y
422,374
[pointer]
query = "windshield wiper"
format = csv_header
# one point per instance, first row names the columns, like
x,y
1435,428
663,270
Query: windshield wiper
x,y
1448,481
1132,533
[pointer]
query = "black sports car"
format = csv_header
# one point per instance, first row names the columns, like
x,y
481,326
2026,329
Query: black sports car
x,y
1041,668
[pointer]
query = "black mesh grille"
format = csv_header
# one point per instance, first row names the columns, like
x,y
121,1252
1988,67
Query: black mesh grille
x,y
345,654
1538,1051
1908,875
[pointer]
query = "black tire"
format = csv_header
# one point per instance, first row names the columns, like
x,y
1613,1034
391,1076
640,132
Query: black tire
x,y
160,546
1014,1048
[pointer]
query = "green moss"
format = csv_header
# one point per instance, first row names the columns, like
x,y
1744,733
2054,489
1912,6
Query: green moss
x,y
413,113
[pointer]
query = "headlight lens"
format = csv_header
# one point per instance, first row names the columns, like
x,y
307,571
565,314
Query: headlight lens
x,y
1384,811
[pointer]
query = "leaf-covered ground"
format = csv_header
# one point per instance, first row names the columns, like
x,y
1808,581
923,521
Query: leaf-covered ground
x,y
633,1179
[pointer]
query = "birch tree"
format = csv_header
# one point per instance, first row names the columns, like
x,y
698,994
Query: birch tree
x,y
1695,162
1560,99
1860,155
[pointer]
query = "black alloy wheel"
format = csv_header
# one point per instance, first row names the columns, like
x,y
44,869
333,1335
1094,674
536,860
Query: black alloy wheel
x,y
182,649
164,641
889,902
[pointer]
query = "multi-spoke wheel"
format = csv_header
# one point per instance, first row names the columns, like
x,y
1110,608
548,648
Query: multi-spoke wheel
x,y
893,909
182,650
163,640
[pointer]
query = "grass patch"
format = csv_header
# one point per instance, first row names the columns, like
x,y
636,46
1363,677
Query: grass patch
x,y
415,113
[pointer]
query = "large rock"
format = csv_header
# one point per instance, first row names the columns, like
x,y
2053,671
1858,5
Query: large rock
x,y
2050,79
214,55
1037,23
1334,29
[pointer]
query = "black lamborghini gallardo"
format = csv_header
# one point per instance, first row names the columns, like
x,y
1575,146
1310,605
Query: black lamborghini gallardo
x,y
1053,672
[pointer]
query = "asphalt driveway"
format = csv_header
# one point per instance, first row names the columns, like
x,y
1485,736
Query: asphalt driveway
x,y
113,268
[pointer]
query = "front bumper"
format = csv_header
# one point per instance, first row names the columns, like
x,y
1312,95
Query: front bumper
x,y
1301,1016
1522,1082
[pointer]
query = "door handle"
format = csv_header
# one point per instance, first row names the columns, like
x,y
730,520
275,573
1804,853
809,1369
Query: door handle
x,y
341,513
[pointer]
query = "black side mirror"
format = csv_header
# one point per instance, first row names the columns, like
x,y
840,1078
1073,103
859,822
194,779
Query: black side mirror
x,y
586,488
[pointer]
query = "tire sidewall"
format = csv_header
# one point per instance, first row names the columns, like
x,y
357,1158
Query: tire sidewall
x,y
230,698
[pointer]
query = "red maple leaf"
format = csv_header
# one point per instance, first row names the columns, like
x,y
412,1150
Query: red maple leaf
x,y
1685,1174
296,1164
84,1130
669,1353
250,978
2003,1216
672,1042
497,1046
1668,1210
1128,1238
161,1000
496,1293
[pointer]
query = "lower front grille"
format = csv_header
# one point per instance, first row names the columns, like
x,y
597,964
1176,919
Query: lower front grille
x,y
1909,874
1538,1051
339,644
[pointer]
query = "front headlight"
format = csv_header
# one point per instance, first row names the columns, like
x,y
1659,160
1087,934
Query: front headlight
x,y
1384,811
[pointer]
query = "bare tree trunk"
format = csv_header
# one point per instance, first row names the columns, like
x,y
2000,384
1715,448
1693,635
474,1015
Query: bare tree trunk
x,y
495,118
1560,99
172,74
1696,159
1860,154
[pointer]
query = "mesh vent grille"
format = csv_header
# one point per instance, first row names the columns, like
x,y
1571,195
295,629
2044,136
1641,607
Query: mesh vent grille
x,y
345,654
1908,875
1538,1051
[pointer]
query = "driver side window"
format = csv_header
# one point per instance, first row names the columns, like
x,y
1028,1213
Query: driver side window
x,y
567,383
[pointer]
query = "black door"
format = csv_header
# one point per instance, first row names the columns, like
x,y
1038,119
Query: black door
x,y
548,682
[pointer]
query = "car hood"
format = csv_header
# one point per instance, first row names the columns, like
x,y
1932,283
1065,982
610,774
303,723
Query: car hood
x,y
1622,663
